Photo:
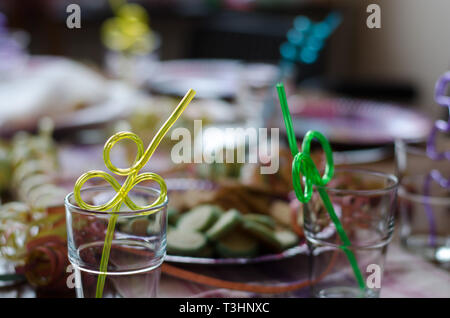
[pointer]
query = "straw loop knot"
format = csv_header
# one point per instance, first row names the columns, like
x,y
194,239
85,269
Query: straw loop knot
x,y
303,165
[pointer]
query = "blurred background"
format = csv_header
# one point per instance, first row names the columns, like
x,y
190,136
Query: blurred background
x,y
64,91
404,57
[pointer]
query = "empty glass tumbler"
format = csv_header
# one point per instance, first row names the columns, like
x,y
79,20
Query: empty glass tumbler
x,y
138,245
424,204
364,202
424,209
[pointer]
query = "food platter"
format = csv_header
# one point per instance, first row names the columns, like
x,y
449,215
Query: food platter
x,y
180,185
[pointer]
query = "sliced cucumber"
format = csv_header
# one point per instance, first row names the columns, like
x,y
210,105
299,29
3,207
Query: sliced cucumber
x,y
237,244
226,223
185,243
263,233
261,219
286,238
199,219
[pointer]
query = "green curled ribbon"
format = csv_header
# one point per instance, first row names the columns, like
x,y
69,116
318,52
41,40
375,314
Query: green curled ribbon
x,y
303,165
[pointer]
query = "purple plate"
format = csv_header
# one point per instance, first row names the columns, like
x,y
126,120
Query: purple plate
x,y
351,121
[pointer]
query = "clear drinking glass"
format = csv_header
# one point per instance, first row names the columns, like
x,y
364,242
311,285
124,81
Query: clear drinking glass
x,y
423,205
364,202
411,159
424,209
138,246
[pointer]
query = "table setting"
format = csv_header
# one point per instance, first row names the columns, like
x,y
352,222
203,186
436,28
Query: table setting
x,y
213,177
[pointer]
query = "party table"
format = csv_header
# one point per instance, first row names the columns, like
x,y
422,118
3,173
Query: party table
x,y
406,275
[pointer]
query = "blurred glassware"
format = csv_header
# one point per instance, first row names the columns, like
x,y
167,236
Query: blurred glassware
x,y
411,159
364,202
424,206
424,209
256,87
134,68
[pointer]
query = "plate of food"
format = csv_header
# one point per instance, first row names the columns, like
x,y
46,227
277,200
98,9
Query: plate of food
x,y
229,223
210,223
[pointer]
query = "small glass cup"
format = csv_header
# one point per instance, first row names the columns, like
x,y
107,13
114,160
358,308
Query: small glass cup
x,y
138,246
411,159
364,202
424,209
423,205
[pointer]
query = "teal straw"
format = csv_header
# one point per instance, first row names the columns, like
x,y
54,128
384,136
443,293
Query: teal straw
x,y
304,165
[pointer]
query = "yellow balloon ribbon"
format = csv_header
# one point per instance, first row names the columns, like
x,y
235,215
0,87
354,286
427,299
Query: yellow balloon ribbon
x,y
133,178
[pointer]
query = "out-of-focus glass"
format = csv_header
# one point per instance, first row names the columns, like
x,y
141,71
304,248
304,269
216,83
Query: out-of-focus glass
x,y
412,159
364,202
256,95
138,246
424,209
134,68
423,205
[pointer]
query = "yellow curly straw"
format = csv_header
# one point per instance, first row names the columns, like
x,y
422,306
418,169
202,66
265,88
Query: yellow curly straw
x,y
133,178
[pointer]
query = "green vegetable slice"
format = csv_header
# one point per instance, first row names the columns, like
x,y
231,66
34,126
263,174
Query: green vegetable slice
x,y
263,233
227,222
185,243
237,244
199,219
262,219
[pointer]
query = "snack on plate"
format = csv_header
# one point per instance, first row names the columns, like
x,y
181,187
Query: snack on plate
x,y
237,244
286,239
245,198
263,233
226,223
185,242
209,230
281,212
199,219
265,220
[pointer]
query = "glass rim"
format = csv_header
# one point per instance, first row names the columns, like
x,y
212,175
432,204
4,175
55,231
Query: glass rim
x,y
71,206
386,189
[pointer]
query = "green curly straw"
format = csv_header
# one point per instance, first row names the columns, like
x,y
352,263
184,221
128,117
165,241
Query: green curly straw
x,y
304,165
